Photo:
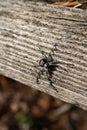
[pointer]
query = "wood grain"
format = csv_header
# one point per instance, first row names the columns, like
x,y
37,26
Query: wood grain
x,y
27,28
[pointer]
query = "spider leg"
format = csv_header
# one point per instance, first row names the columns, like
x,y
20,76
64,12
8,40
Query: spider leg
x,y
53,49
62,68
49,76
50,58
42,52
39,75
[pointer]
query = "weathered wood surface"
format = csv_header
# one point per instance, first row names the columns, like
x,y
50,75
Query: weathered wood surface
x,y
25,27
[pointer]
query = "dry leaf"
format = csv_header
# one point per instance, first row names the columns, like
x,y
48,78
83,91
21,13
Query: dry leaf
x,y
71,3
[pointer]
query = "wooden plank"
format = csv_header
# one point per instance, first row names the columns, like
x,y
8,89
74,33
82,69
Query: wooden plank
x,y
27,29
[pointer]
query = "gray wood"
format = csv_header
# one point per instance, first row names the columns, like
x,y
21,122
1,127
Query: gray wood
x,y
27,28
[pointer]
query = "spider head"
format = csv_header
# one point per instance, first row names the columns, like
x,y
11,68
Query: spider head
x,y
43,62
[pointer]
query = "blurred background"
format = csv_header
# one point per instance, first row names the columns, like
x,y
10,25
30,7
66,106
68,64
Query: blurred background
x,y
24,108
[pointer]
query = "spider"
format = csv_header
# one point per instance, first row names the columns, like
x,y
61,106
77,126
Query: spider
x,y
47,65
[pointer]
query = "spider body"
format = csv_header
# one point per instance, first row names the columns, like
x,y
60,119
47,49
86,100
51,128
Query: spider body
x,y
47,65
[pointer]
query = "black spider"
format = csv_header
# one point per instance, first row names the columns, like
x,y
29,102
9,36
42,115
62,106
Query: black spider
x,y
47,65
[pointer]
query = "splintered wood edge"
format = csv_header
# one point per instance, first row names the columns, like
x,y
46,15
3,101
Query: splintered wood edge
x,y
26,28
